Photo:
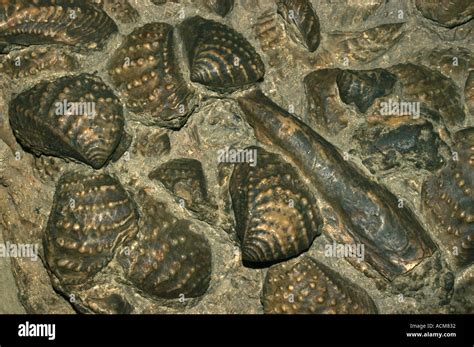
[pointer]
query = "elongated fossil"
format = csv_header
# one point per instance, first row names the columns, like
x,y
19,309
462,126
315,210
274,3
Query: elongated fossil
x,y
394,240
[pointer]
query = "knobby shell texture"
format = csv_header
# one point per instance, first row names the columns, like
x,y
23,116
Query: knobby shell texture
x,y
308,156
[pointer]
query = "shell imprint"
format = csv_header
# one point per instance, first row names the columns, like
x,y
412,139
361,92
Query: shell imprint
x,y
302,22
447,13
75,117
70,22
91,215
448,200
185,178
167,259
308,286
394,240
219,57
276,217
145,71
364,86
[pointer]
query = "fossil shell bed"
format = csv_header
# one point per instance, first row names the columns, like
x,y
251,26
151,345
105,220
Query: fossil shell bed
x,y
438,284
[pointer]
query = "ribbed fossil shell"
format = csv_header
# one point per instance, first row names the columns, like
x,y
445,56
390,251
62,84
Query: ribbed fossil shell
x,y
395,242
70,22
221,7
185,178
167,259
33,60
91,215
277,218
448,200
364,46
43,127
145,70
308,286
302,22
364,86
432,89
219,57
447,13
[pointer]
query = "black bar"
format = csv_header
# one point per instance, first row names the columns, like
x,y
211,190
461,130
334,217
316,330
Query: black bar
x,y
255,329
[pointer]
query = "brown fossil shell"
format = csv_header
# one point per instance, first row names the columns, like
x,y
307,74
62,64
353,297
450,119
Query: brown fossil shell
x,y
185,178
91,215
447,13
33,60
146,72
324,105
87,129
277,218
308,286
364,46
70,22
448,200
435,91
395,241
302,22
219,57
167,259
362,87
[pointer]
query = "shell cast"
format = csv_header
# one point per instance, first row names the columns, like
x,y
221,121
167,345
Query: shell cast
x,y
219,57
75,117
145,71
277,218
167,260
302,22
70,22
448,200
91,215
308,286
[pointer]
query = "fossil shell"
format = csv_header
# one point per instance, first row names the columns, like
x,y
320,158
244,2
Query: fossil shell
x,y
448,200
302,22
152,143
121,10
434,90
91,215
31,61
324,105
364,46
167,259
221,7
447,13
42,124
219,57
394,240
277,218
388,148
308,286
364,86
469,93
184,178
70,22
145,70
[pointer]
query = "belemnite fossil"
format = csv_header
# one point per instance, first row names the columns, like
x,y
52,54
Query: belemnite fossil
x,y
239,157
